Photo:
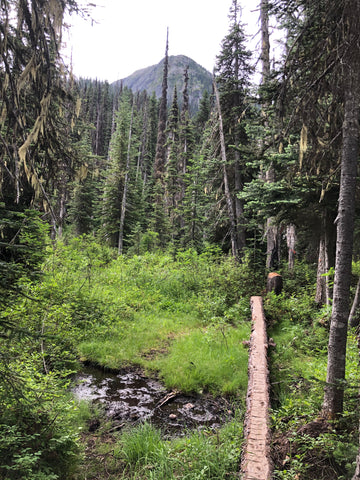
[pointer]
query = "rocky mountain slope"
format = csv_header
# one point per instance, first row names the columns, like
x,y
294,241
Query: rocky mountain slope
x,y
150,79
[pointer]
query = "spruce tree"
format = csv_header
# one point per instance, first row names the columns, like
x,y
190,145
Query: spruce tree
x,y
118,196
160,226
232,79
160,155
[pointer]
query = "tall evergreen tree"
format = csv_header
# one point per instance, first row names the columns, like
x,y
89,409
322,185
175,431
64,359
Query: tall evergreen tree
x,y
160,225
232,78
350,83
33,101
171,176
160,156
118,196
271,232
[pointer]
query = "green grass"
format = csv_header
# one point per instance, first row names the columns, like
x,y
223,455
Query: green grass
x,y
211,359
183,316
153,310
135,341
199,455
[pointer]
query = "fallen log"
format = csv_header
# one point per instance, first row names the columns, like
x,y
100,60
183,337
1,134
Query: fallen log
x,y
256,461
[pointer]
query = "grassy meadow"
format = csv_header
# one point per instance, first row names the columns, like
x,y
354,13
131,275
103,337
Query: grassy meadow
x,y
181,317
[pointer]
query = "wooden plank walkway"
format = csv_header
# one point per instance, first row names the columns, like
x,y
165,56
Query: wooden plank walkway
x,y
256,461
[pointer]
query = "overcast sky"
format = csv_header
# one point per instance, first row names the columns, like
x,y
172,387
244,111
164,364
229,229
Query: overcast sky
x,y
127,35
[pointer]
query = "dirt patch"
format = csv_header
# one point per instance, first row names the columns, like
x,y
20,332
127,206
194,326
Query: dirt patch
x,y
155,352
318,463
99,461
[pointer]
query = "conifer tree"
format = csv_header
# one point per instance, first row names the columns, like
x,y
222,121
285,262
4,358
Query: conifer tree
x,y
186,152
232,79
203,113
119,197
171,176
350,76
160,156
322,71
160,226
272,235
33,101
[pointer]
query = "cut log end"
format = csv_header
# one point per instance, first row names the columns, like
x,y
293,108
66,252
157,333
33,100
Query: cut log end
x,y
274,283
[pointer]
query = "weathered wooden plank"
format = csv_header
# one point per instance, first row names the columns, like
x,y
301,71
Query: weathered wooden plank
x,y
256,462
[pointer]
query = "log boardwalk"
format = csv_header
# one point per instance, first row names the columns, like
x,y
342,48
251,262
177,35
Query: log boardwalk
x,y
256,462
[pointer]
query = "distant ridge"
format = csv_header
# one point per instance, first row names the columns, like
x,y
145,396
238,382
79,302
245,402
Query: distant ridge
x,y
150,79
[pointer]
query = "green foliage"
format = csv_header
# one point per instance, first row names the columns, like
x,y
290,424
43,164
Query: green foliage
x,y
200,455
38,440
299,328
212,359
22,249
141,445
114,312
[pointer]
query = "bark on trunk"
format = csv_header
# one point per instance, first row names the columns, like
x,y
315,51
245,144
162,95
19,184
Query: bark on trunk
x,y
239,207
271,232
126,183
229,204
354,316
265,40
62,214
333,396
272,244
322,296
357,470
291,242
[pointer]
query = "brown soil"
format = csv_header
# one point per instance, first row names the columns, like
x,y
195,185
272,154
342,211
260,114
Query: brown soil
x,y
289,445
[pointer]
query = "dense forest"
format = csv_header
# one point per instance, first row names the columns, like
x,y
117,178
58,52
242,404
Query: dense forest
x,y
135,225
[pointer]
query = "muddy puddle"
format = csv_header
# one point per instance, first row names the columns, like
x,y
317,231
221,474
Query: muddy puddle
x,y
130,397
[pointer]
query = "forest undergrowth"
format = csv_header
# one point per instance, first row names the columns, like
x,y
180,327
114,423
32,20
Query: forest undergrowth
x,y
304,445
181,317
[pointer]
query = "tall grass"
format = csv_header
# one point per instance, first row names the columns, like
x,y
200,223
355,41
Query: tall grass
x,y
153,310
199,455
183,316
211,359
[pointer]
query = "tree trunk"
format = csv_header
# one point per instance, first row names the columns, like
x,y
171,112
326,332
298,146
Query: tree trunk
x,y
272,244
333,395
265,41
126,183
357,471
229,204
291,242
356,475
239,207
353,317
322,296
271,232
62,213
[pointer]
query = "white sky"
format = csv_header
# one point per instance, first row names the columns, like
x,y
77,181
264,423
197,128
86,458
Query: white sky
x,y
131,34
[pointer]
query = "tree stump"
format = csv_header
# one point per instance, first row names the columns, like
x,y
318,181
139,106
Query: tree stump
x,y
274,283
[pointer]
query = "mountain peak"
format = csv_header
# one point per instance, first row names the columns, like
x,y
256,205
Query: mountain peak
x,y
150,79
